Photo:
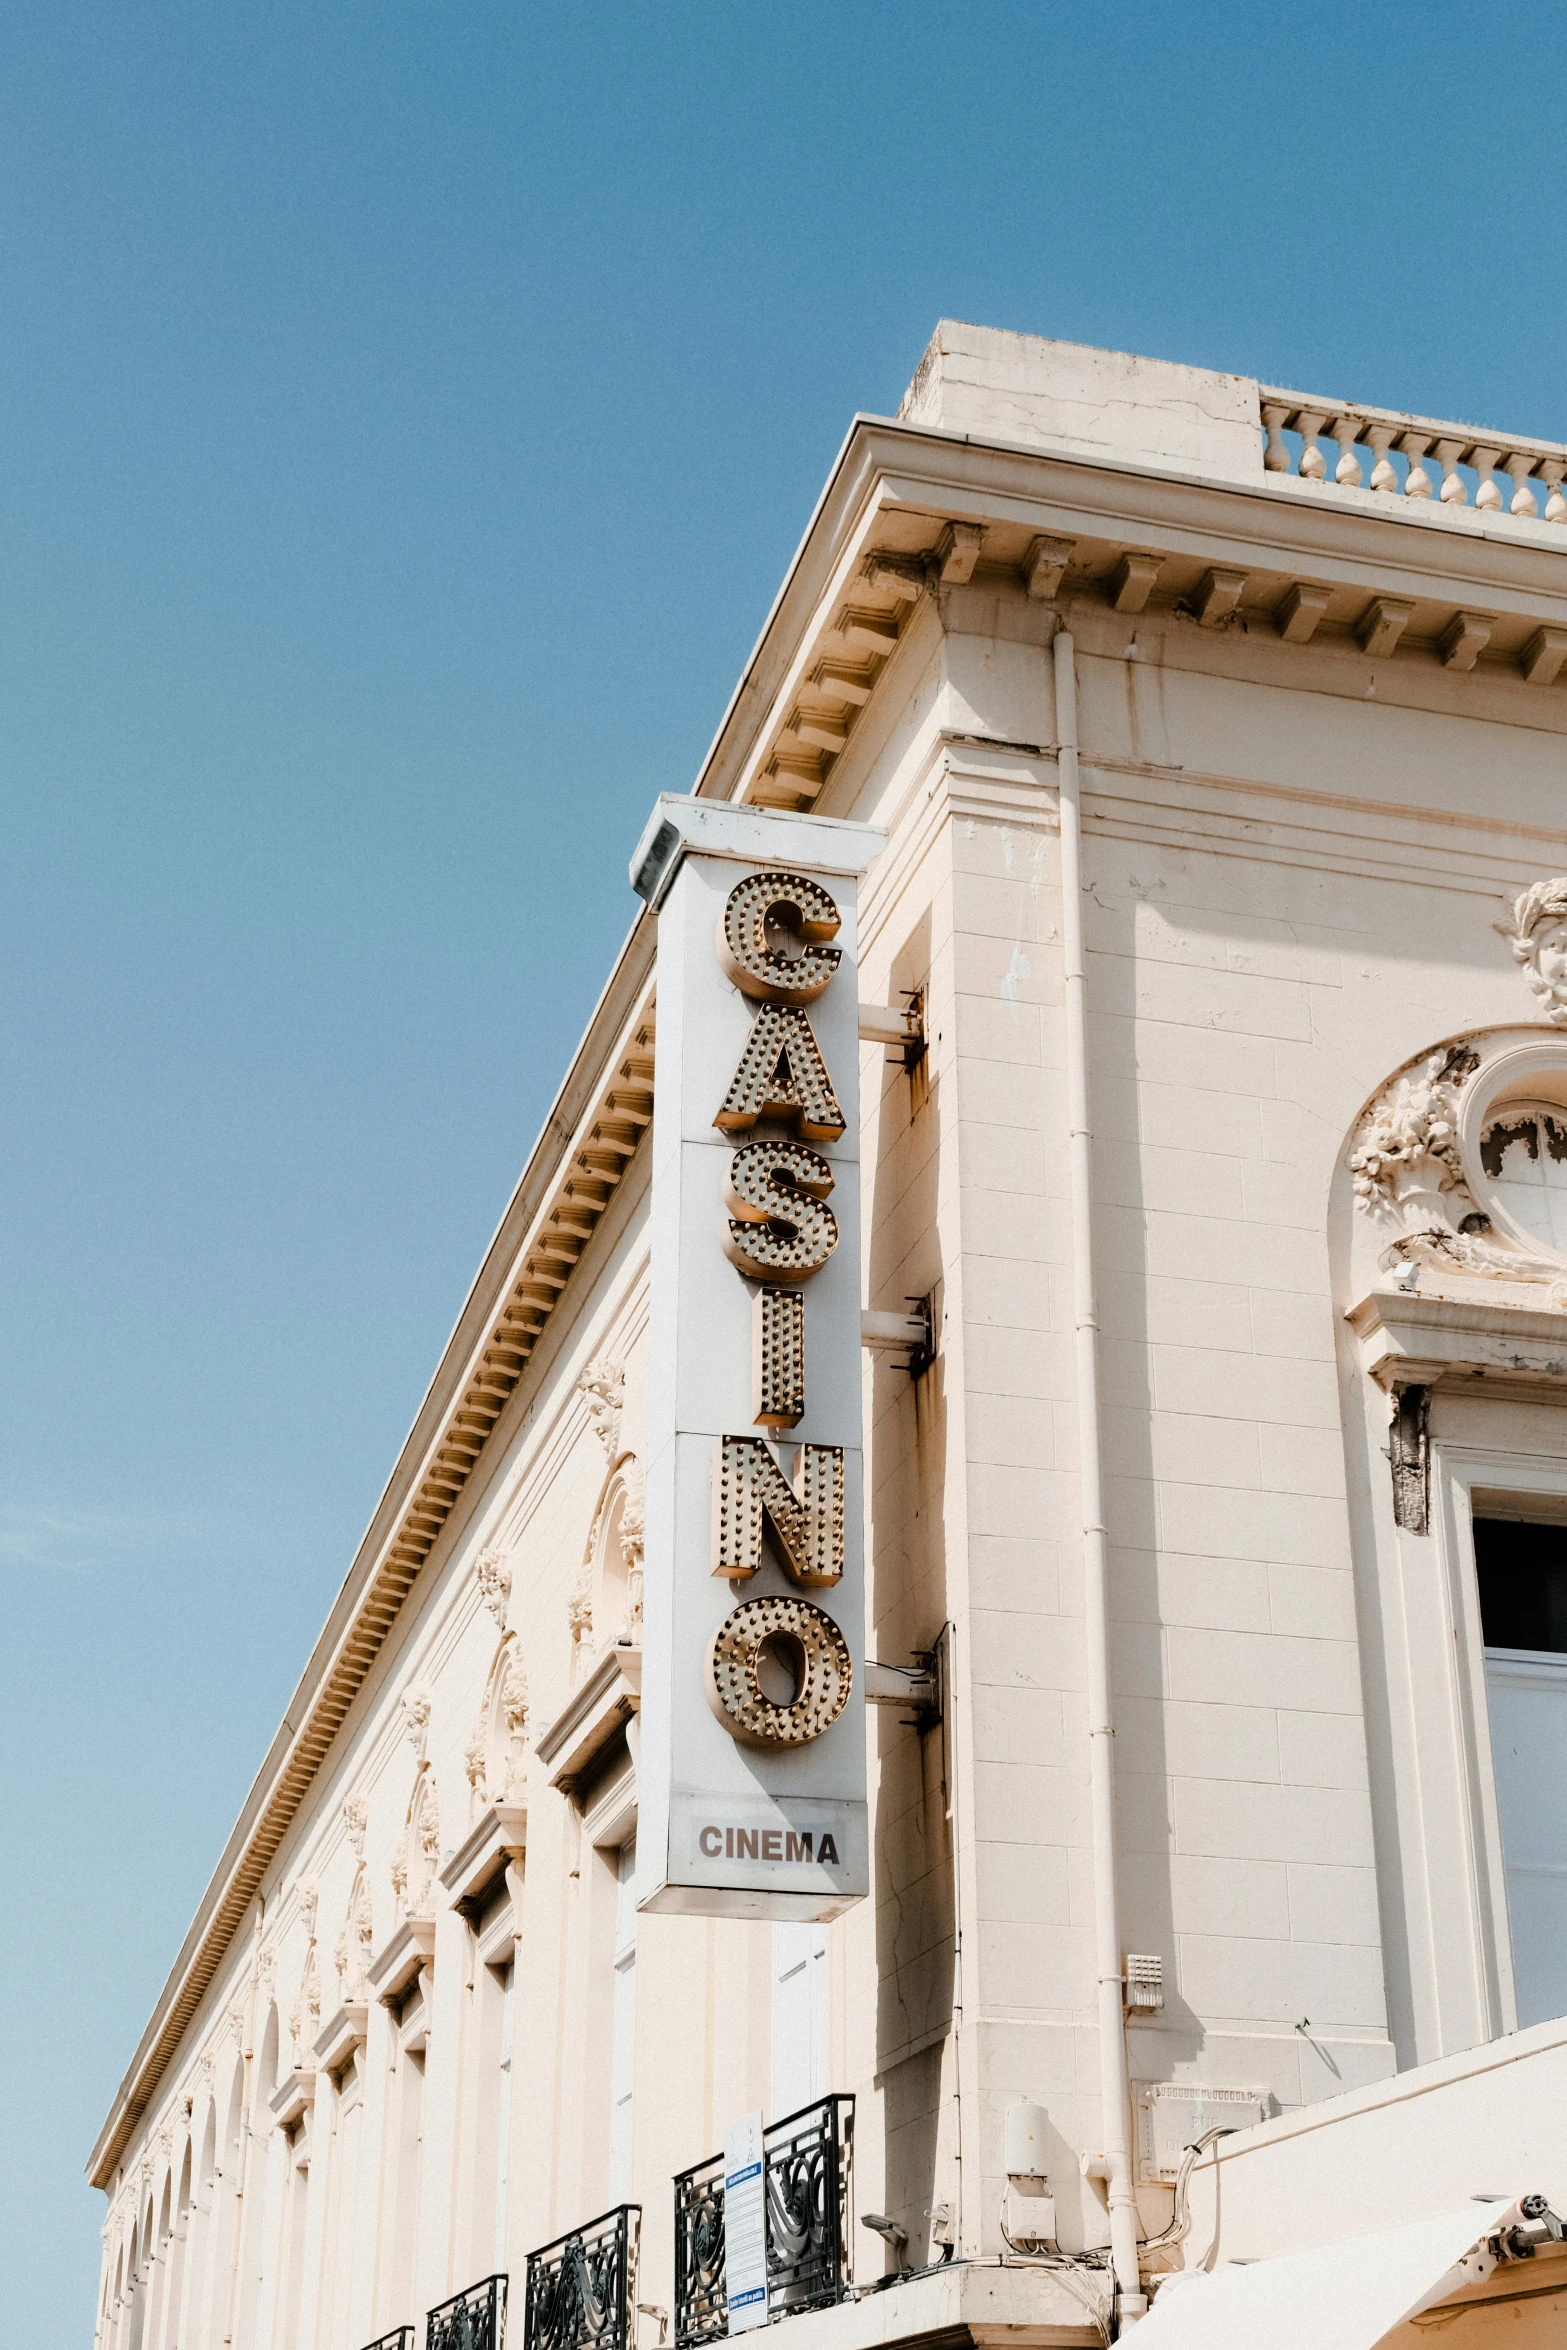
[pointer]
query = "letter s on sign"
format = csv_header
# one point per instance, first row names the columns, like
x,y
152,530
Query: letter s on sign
x,y
780,1226
711,1842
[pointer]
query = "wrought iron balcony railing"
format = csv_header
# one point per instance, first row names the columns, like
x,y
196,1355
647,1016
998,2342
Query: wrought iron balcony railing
x,y
400,2338
582,2289
808,2157
471,2320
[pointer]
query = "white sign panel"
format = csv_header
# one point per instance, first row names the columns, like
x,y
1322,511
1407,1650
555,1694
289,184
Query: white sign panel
x,y
751,1768
745,2224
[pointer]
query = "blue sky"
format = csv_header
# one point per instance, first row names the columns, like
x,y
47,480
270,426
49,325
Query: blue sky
x,y
406,414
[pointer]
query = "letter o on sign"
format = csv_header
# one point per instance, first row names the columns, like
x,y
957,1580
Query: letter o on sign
x,y
762,1649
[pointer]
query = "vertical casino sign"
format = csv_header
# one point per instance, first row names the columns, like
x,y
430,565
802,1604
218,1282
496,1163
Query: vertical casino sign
x,y
751,1761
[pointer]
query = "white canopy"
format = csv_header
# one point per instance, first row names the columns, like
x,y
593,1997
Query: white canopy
x,y
1344,2296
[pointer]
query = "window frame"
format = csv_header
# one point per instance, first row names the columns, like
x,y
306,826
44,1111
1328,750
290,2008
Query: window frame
x,y
1470,1481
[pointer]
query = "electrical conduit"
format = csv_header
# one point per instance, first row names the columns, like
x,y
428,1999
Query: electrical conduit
x,y
1113,2083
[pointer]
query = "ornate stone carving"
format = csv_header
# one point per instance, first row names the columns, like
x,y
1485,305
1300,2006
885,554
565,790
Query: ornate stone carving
x,y
514,1726
418,1850
356,1817
1537,936
1409,1176
1405,1161
494,1573
355,1943
579,1615
305,2021
416,1719
633,1529
514,1698
266,1970
603,1384
474,1765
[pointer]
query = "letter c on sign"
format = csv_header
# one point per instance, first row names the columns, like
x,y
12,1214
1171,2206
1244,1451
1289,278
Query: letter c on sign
x,y
711,1841
748,937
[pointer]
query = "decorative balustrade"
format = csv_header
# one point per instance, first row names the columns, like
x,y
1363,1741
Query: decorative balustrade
x,y
1397,447
471,2320
807,2157
400,2338
582,2289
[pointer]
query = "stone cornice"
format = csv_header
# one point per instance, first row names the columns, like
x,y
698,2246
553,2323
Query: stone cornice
x,y
1416,1339
1485,592
405,1954
607,1699
588,1141
498,1836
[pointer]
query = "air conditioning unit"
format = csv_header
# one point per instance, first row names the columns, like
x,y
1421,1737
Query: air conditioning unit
x,y
1170,2114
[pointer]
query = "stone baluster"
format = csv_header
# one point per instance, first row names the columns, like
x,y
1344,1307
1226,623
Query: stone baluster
x,y
1380,438
1551,471
1417,482
1524,501
1313,465
1275,457
1346,472
1487,497
1453,491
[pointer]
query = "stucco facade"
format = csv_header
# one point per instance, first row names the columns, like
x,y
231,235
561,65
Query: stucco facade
x,y
419,2028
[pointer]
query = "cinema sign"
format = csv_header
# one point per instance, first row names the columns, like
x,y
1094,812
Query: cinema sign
x,y
751,1763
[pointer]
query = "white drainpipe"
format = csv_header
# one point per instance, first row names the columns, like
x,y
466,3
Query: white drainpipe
x,y
1113,2085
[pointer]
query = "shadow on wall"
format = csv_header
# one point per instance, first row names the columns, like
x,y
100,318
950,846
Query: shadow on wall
x,y
907,1608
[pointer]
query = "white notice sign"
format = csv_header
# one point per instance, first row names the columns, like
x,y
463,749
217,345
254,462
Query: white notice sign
x,y
745,2223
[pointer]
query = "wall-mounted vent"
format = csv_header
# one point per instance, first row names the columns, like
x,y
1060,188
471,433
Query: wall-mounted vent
x,y
1144,1983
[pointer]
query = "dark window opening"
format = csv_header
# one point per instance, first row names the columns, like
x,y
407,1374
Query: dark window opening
x,y
1522,1569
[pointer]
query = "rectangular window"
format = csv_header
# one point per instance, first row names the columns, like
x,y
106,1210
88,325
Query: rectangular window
x,y
1521,1568
799,2017
503,1978
623,2061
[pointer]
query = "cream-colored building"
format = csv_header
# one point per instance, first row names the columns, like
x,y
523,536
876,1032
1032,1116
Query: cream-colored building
x,y
1214,1117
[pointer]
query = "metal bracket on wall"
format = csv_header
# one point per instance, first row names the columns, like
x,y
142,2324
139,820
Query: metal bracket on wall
x,y
893,1333
901,1027
917,1685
